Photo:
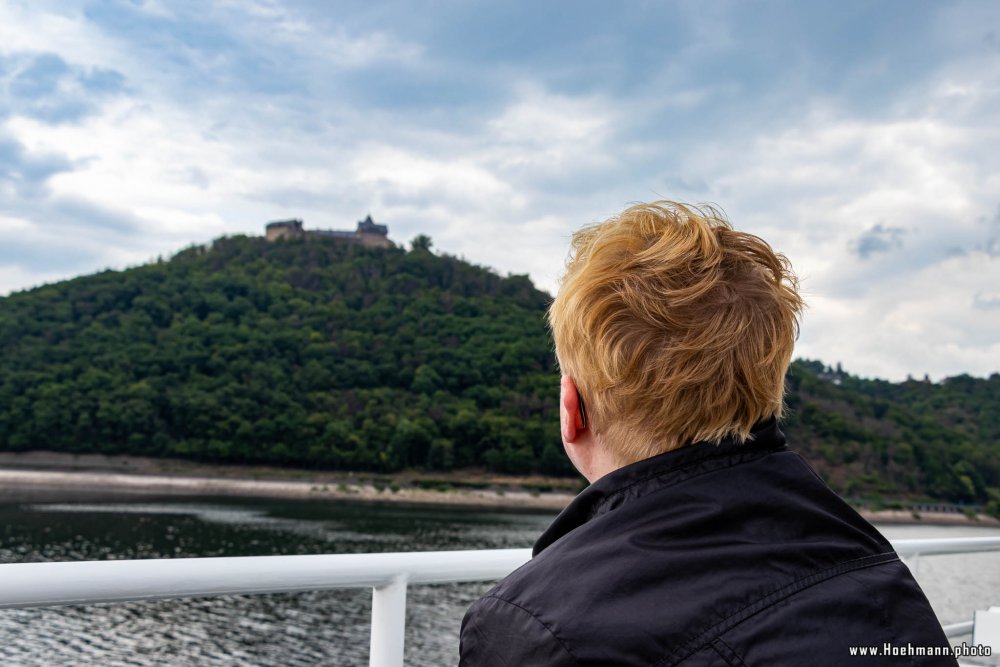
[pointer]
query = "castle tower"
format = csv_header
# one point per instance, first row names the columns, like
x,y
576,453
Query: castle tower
x,y
281,229
371,234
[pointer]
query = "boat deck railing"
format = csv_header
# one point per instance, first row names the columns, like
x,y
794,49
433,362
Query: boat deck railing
x,y
24,585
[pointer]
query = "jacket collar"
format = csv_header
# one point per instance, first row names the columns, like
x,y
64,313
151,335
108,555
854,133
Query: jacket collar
x,y
638,479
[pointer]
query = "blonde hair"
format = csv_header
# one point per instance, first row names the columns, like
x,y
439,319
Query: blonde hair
x,y
675,328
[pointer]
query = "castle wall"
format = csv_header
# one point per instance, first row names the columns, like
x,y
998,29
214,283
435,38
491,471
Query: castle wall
x,y
293,230
290,229
374,241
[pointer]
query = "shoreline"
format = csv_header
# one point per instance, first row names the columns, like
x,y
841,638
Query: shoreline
x,y
905,517
43,471
94,473
177,485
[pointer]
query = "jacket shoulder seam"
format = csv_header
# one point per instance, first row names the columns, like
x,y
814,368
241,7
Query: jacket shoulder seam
x,y
735,459
769,600
537,620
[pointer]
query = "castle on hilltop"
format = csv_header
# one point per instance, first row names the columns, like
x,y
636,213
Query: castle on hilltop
x,y
367,234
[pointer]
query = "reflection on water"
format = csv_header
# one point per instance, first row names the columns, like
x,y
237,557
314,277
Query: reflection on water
x,y
329,628
323,627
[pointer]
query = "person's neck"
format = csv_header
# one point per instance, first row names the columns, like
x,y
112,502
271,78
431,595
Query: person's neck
x,y
599,462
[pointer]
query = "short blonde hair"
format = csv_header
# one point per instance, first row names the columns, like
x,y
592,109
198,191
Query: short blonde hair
x,y
675,328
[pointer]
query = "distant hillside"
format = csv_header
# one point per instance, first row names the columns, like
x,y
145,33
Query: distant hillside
x,y
872,437
320,353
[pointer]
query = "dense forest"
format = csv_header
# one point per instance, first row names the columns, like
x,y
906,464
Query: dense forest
x,y
319,353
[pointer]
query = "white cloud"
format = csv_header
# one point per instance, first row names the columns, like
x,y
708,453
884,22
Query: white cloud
x,y
64,31
541,138
14,278
888,214
883,220
404,173
279,24
927,321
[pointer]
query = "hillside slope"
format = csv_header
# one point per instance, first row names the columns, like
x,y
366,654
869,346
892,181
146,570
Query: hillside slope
x,y
314,352
872,437
308,351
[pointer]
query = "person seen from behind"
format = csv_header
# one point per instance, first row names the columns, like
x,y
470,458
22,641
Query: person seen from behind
x,y
702,540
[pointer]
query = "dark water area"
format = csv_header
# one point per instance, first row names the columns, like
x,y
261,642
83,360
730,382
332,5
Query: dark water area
x,y
314,628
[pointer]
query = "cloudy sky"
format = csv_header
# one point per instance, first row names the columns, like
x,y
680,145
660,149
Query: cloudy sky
x,y
862,139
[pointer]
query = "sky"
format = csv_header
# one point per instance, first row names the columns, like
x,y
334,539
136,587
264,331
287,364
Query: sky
x,y
861,139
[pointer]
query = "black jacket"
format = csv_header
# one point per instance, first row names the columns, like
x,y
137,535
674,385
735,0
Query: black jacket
x,y
724,555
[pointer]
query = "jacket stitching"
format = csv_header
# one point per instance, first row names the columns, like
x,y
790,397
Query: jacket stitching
x,y
883,616
727,653
540,622
769,600
744,457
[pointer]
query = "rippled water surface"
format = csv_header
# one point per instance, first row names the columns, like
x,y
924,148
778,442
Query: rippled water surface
x,y
328,628
956,585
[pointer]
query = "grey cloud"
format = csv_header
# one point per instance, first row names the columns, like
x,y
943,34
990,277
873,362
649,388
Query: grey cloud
x,y
992,245
879,238
986,301
103,81
40,77
79,213
197,177
210,44
686,184
43,253
47,88
28,173
72,236
928,241
955,251
291,197
26,176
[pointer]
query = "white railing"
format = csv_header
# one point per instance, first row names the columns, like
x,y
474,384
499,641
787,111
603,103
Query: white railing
x,y
946,545
959,629
51,584
912,550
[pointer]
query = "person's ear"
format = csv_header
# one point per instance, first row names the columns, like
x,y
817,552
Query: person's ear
x,y
571,416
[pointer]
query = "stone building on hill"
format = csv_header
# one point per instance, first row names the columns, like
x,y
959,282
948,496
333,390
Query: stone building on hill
x,y
367,234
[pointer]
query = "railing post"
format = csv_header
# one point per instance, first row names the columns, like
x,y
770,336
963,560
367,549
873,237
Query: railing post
x,y
388,624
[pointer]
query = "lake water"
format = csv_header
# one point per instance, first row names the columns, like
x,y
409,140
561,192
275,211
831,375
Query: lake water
x,y
329,628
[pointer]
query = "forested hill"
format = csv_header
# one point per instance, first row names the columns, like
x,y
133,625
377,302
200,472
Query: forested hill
x,y
319,353
872,438
309,351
